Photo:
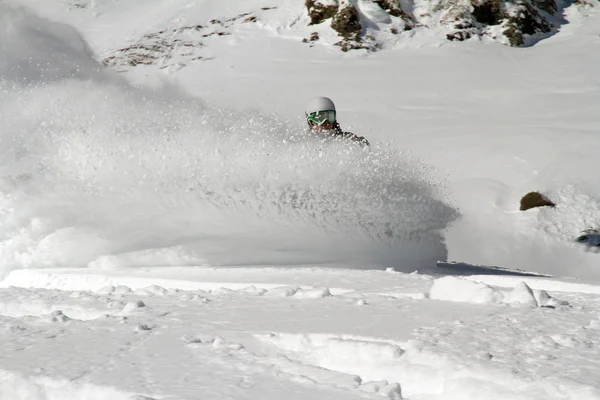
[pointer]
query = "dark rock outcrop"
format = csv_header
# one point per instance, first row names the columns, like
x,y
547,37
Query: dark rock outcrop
x,y
487,12
393,8
535,199
319,12
346,22
525,20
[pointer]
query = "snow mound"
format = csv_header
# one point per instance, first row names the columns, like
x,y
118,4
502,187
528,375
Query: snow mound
x,y
521,294
283,291
461,290
457,289
313,293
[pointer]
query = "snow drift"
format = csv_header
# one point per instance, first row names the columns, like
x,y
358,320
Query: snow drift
x,y
96,172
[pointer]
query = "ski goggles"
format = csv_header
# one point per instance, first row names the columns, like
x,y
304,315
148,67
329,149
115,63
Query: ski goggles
x,y
320,117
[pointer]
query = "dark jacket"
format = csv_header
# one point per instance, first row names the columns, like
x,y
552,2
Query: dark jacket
x,y
337,132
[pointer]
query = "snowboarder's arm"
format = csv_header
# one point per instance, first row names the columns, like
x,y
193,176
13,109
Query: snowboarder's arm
x,y
356,138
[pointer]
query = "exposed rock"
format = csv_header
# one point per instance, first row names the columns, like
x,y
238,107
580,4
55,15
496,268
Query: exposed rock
x,y
525,20
347,45
347,24
535,199
465,19
158,48
488,12
459,35
474,17
172,49
548,6
320,11
347,21
393,8
314,36
507,21
454,11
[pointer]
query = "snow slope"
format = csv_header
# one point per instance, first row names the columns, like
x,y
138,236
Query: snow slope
x,y
491,123
174,213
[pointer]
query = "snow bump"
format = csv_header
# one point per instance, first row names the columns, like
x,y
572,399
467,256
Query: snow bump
x,y
462,290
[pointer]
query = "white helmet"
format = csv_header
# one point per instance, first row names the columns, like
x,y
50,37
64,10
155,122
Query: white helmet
x,y
319,104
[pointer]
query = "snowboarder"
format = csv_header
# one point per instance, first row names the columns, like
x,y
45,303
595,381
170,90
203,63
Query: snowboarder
x,y
322,121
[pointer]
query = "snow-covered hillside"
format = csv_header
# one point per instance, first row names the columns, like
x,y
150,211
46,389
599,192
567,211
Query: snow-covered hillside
x,y
169,231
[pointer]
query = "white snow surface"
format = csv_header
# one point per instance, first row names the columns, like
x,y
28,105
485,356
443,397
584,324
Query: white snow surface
x,y
168,230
